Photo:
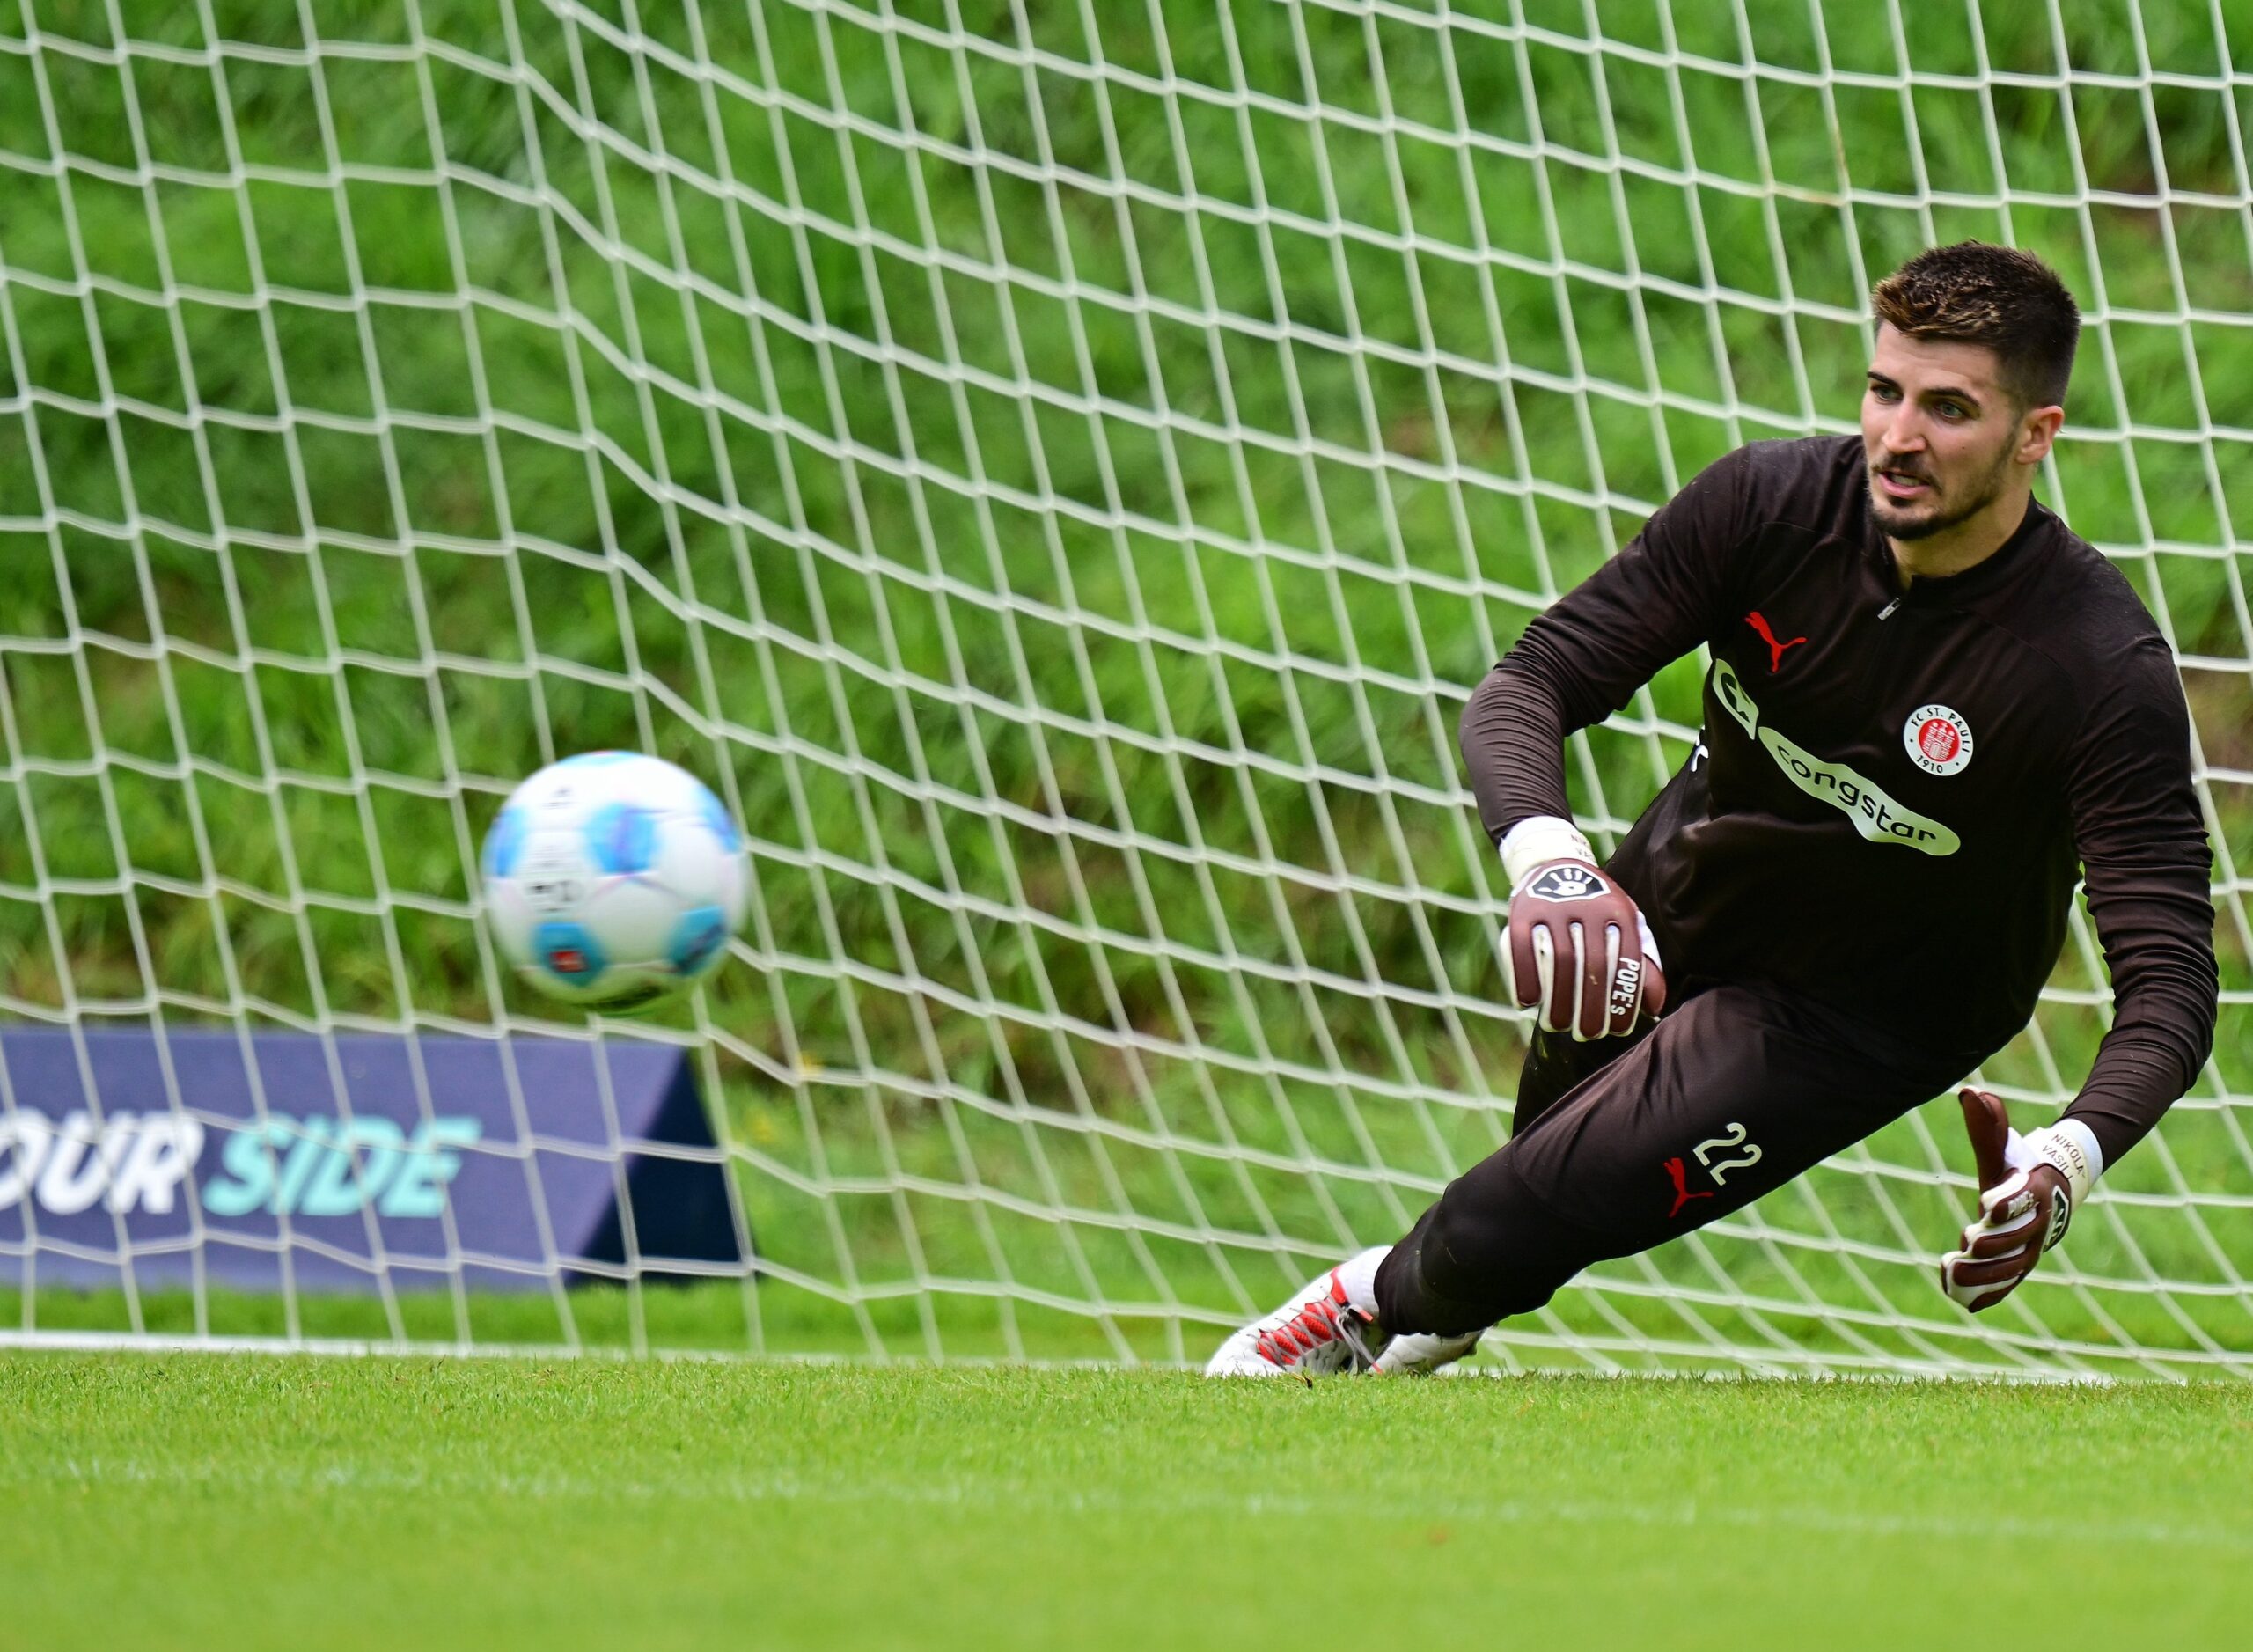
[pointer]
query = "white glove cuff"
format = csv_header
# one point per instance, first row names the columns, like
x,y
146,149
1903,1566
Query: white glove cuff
x,y
1539,840
2069,1146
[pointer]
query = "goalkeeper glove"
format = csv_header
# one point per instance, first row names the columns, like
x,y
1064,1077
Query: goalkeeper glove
x,y
1576,946
2029,1187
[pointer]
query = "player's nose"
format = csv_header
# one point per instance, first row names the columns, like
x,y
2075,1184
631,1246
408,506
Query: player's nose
x,y
1903,433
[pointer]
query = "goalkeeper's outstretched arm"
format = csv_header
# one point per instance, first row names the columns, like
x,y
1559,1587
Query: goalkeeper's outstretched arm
x,y
2146,866
2146,870
1578,949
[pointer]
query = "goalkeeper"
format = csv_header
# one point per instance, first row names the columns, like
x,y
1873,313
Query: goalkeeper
x,y
1929,702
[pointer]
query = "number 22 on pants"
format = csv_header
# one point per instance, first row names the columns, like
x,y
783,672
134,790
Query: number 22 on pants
x,y
1732,1138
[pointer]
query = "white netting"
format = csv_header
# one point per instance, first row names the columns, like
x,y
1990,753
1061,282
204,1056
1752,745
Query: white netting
x,y
1058,469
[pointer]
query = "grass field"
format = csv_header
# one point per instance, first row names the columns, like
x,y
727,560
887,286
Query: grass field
x,y
260,1503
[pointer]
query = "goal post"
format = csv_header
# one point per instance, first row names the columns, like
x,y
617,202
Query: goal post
x,y
1057,471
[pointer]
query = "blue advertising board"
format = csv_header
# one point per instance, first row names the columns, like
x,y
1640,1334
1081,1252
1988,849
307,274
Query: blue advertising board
x,y
349,1157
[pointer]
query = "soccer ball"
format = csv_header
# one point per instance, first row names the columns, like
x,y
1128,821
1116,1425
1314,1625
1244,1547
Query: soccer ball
x,y
612,879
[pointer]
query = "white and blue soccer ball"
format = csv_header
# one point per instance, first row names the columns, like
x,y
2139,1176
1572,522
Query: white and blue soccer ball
x,y
613,878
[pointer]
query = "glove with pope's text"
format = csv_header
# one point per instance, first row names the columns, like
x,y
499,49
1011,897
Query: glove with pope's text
x,y
1576,948
2029,1188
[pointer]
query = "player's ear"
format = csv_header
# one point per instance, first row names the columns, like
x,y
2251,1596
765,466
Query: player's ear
x,y
2037,429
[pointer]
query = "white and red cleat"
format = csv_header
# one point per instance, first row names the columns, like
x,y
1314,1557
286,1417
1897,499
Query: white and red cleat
x,y
1318,1331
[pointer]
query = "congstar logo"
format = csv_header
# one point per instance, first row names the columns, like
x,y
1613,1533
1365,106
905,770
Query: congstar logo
x,y
1875,816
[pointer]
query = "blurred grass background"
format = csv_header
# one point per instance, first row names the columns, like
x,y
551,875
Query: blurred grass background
x,y
1060,479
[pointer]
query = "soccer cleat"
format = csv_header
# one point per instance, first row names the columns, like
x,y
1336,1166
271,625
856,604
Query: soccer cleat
x,y
1318,1331
1420,1353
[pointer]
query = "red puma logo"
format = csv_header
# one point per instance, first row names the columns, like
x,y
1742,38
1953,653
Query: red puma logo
x,y
1775,648
1681,1194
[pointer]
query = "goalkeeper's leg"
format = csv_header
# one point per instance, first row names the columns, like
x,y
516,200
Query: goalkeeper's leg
x,y
1618,1149
1732,1095
1555,1064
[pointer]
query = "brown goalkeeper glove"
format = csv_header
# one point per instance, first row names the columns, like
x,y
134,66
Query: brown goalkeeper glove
x,y
1576,947
2028,1186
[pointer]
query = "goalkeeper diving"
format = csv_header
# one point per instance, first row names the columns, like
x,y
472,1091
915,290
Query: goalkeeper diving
x,y
1930,705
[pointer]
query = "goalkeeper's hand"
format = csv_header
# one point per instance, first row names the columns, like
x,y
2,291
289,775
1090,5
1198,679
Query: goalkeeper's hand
x,y
2028,1186
1576,947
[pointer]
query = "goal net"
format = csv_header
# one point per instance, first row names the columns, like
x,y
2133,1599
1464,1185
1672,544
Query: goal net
x,y
1056,470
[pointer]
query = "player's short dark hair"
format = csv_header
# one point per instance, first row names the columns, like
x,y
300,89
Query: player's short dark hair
x,y
2007,301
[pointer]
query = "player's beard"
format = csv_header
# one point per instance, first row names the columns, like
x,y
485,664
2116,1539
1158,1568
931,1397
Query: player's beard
x,y
1942,512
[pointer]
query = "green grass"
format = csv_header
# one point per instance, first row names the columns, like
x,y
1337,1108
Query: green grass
x,y
280,626
255,1503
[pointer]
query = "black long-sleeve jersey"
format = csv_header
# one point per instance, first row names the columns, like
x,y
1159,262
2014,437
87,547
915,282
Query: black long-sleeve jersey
x,y
1892,789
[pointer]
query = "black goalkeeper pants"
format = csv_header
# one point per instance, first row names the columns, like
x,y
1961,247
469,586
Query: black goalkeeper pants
x,y
1621,1144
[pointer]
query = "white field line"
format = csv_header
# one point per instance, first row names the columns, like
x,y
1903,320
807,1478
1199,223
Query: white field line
x,y
347,1348
1034,1499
